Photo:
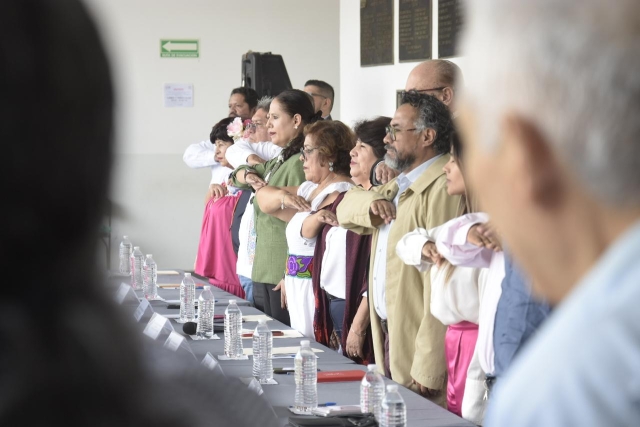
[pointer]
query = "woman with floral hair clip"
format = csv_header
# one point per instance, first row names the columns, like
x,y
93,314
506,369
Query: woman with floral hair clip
x,y
216,258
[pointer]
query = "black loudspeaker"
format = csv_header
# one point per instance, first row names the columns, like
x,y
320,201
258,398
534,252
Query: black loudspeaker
x,y
265,73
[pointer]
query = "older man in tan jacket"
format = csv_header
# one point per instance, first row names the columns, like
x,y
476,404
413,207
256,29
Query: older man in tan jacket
x,y
408,340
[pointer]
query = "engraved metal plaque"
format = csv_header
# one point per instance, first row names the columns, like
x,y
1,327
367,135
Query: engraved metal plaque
x,y
449,24
376,32
415,30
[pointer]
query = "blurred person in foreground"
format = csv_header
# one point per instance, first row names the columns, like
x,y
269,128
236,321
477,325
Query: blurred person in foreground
x,y
68,355
554,141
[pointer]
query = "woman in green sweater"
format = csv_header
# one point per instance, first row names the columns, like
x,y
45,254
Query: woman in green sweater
x,y
289,113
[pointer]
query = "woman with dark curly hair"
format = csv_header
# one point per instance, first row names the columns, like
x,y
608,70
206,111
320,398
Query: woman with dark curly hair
x,y
325,157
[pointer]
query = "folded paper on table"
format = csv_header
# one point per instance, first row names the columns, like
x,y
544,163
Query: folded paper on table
x,y
167,272
288,333
332,411
256,317
281,350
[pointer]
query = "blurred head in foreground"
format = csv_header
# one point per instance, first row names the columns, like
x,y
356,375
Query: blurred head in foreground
x,y
550,117
68,356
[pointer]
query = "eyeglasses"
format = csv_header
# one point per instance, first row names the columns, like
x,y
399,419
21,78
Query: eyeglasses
x,y
306,152
404,92
393,131
317,94
253,127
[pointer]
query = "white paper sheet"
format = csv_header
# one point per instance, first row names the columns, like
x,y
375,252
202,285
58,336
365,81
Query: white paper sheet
x,y
256,318
178,95
288,333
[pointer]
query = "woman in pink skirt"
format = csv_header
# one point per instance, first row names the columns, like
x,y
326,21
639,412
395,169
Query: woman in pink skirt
x,y
216,258
455,300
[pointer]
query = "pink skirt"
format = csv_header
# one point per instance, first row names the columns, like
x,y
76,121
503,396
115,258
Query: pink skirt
x,y
460,343
216,259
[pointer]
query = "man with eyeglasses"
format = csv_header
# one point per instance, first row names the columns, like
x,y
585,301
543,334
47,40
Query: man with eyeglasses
x,y
242,103
408,340
323,96
436,77
257,148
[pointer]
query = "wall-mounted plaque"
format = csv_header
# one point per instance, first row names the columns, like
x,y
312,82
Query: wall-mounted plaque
x,y
415,30
449,24
376,32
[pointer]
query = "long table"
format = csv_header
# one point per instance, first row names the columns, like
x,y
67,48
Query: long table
x,y
420,411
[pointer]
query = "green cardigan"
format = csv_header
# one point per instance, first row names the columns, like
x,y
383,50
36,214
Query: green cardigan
x,y
271,243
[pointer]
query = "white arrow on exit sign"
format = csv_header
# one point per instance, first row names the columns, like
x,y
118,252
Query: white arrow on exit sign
x,y
183,47
179,48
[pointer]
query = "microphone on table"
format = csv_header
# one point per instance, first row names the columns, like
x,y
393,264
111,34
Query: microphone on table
x,y
190,328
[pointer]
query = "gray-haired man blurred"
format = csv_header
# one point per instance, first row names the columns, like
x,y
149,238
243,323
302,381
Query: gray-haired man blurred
x,y
550,118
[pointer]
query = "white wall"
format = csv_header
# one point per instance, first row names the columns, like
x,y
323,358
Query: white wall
x,y
371,91
158,199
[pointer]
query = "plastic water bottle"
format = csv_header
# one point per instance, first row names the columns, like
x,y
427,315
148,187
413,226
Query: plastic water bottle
x,y
150,278
306,366
233,331
262,345
125,255
187,299
371,392
393,412
206,306
137,259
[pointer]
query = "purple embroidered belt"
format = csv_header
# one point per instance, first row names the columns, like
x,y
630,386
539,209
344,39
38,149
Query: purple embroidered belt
x,y
300,266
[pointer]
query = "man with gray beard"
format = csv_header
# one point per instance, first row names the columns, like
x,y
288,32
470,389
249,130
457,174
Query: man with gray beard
x,y
418,143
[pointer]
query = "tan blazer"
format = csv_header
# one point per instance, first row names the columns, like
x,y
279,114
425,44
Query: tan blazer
x,y
416,338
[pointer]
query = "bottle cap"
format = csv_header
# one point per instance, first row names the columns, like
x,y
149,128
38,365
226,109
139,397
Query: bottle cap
x,y
262,322
305,343
187,274
232,301
371,366
136,247
125,237
207,287
391,388
149,255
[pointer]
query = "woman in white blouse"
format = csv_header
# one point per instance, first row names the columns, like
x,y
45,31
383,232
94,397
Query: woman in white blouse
x,y
456,293
340,278
325,157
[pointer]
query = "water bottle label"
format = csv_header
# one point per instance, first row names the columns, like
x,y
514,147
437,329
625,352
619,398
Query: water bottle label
x,y
142,309
157,325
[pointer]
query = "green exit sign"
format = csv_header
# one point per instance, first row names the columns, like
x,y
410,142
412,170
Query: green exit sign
x,y
179,48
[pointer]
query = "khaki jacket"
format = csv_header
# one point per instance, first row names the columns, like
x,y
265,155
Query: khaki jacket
x,y
416,338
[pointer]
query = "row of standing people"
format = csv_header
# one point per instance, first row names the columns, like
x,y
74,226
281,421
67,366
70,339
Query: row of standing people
x,y
336,257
